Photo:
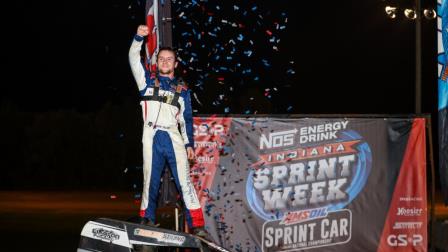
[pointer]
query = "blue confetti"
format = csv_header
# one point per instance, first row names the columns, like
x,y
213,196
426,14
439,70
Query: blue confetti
x,y
228,53
248,53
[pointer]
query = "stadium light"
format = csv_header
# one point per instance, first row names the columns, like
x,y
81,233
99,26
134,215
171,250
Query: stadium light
x,y
415,14
391,11
410,13
429,14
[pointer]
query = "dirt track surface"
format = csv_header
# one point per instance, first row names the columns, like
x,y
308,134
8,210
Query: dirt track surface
x,y
52,221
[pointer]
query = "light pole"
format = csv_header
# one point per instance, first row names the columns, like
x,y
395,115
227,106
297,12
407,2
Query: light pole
x,y
415,14
418,57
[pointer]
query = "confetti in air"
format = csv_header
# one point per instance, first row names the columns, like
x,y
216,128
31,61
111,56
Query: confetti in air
x,y
226,47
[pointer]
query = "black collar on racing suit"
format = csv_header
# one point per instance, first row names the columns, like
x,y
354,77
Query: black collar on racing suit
x,y
164,99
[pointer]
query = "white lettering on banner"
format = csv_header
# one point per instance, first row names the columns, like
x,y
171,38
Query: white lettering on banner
x,y
206,130
325,230
205,144
306,153
287,235
279,198
318,137
336,228
312,182
411,199
407,225
403,240
304,172
402,211
321,132
205,159
277,139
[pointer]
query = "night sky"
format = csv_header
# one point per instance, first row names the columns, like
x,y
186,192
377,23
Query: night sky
x,y
348,57
67,76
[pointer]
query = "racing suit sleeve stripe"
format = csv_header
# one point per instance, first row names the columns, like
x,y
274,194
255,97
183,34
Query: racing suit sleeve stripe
x,y
186,120
135,62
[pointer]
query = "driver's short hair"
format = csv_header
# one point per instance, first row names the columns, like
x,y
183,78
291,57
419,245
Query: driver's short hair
x,y
167,48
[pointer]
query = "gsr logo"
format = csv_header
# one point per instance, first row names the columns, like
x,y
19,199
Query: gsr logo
x,y
205,130
403,240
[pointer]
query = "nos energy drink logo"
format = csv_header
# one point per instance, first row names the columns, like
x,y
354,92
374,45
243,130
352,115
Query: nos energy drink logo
x,y
325,174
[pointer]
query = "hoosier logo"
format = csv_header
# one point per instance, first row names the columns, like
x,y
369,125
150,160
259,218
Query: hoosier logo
x,y
105,234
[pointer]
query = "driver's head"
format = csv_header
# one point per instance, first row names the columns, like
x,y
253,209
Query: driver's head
x,y
166,61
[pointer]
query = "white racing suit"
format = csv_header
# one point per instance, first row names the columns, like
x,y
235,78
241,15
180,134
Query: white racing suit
x,y
164,109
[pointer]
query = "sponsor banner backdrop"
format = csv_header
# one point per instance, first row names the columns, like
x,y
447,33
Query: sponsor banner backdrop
x,y
337,184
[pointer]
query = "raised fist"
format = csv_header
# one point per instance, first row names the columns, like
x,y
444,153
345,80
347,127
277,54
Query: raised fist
x,y
142,30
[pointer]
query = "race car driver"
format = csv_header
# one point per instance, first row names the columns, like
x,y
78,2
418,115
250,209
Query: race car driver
x,y
166,107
